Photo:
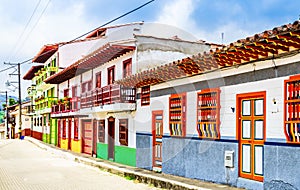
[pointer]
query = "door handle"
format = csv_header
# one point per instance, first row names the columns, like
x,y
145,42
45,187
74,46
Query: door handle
x,y
249,141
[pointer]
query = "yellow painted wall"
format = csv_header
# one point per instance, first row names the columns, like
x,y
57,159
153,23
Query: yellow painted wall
x,y
76,146
64,144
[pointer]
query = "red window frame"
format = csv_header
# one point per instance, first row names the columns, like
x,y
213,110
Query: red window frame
x,y
101,131
127,68
208,113
74,91
177,115
123,132
110,75
292,109
98,80
145,96
76,129
89,85
83,87
86,86
64,129
66,92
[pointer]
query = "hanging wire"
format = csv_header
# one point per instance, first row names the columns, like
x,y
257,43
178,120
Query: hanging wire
x,y
109,22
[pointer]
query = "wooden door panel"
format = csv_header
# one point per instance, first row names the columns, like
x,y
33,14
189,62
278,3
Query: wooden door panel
x,y
87,138
157,132
251,115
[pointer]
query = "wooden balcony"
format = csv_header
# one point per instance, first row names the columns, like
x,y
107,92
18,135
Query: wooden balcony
x,y
68,105
110,94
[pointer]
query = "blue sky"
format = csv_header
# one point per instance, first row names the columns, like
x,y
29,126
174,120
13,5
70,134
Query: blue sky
x,y
63,20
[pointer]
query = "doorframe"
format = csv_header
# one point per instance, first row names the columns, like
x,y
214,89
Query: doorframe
x,y
95,137
59,122
111,126
83,121
239,98
155,113
69,133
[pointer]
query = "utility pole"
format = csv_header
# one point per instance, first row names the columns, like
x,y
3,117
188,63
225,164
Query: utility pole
x,y
7,129
20,100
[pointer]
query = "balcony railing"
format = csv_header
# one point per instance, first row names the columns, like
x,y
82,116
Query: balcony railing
x,y
110,94
43,103
103,96
67,105
30,109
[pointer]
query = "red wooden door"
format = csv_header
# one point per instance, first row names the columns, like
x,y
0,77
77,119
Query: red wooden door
x,y
59,132
111,138
69,134
157,133
87,137
94,152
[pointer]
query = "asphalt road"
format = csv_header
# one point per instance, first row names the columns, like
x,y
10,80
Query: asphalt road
x,y
23,165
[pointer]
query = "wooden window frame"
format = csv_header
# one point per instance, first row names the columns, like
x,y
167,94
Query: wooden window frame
x,y
292,109
101,131
208,113
64,129
98,77
109,70
74,91
83,87
66,92
127,67
76,129
252,96
89,85
145,96
177,115
123,132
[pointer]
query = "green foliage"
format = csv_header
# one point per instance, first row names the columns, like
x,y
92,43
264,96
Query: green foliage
x,y
2,116
12,101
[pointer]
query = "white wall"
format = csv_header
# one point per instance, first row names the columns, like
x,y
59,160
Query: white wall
x,y
274,90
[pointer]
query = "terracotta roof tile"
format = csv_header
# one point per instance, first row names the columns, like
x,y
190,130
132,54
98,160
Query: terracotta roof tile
x,y
265,45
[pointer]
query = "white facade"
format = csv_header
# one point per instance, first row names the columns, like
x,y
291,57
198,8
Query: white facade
x,y
274,100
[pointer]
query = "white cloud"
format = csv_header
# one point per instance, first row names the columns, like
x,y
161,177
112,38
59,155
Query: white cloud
x,y
58,23
178,13
181,13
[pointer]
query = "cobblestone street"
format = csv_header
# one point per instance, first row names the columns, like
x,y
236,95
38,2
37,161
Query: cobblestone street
x,y
23,165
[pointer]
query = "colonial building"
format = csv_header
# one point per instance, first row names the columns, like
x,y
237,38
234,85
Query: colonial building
x,y
229,115
50,59
95,115
14,121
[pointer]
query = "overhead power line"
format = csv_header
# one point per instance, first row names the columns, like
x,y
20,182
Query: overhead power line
x,y
109,22
27,24
35,24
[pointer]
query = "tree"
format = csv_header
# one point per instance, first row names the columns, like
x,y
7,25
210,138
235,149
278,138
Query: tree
x,y
12,101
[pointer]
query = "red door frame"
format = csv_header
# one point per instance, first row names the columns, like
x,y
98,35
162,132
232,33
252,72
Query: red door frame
x,y
83,122
59,132
94,148
247,96
69,134
111,138
154,143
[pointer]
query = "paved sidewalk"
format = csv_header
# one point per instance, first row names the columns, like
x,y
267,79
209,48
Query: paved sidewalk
x,y
159,180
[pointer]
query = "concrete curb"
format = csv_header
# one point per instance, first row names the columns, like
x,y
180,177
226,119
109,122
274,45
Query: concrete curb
x,y
140,175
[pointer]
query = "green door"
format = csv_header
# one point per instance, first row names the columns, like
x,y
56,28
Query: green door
x,y
53,131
